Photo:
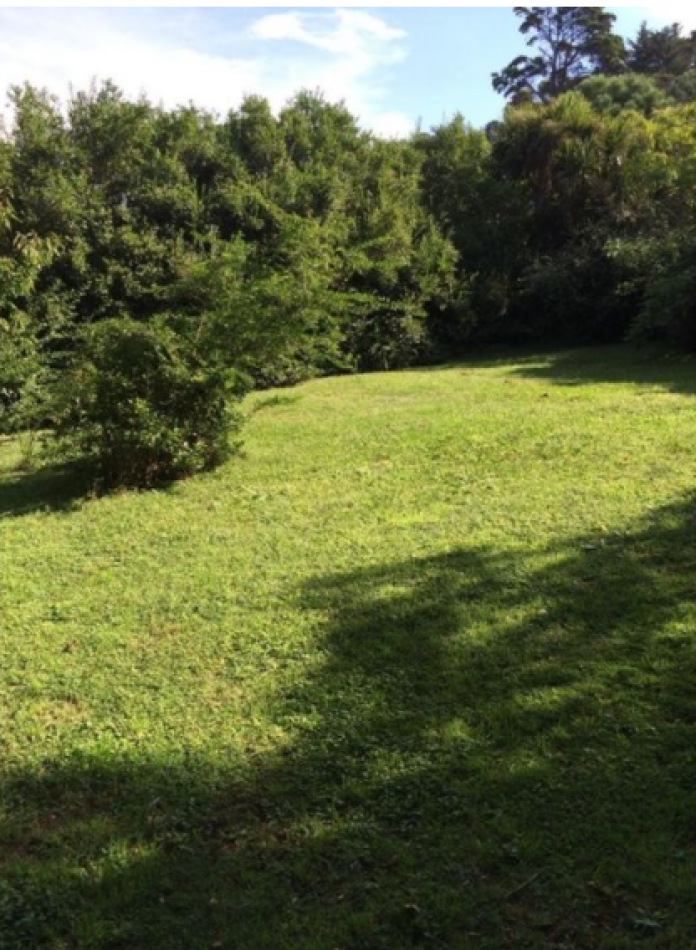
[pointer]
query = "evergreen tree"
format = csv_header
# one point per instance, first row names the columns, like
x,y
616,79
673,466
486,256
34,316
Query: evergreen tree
x,y
663,52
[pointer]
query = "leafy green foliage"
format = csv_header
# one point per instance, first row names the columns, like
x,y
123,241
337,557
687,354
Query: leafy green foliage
x,y
662,53
564,191
667,308
279,247
141,405
612,95
22,257
599,193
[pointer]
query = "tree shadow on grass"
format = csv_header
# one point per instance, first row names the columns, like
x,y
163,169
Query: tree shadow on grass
x,y
647,366
54,489
495,753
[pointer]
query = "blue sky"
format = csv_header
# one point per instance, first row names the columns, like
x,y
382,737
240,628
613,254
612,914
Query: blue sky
x,y
393,66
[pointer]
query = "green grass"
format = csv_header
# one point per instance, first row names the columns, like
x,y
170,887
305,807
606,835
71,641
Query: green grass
x,y
414,671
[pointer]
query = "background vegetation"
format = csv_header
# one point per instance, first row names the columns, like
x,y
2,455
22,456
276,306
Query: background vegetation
x,y
255,250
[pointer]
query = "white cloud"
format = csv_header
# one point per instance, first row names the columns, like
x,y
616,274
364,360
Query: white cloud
x,y
356,47
174,60
343,32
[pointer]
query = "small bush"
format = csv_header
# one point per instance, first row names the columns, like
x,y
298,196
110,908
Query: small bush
x,y
143,407
385,334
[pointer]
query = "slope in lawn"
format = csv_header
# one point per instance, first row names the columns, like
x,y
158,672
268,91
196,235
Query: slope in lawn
x,y
414,671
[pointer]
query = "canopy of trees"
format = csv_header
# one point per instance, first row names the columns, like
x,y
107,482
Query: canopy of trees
x,y
257,249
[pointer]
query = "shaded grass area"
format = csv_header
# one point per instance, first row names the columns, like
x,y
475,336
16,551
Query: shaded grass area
x,y
646,365
416,671
49,490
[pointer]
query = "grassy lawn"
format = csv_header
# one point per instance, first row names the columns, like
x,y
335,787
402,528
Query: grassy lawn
x,y
414,671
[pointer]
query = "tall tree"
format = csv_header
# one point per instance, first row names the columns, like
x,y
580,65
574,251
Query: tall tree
x,y
570,44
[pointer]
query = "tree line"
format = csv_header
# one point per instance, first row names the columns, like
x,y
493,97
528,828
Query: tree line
x,y
155,264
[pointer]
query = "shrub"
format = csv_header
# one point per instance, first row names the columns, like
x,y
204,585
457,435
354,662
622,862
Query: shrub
x,y
384,334
142,406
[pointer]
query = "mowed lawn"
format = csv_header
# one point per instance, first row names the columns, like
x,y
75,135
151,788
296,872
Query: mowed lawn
x,y
415,670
